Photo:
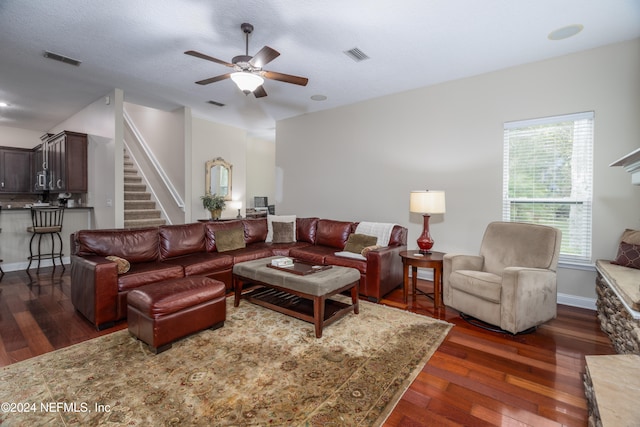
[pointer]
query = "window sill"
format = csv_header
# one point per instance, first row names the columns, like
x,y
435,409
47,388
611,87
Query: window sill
x,y
574,265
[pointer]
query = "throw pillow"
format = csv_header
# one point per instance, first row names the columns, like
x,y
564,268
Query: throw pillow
x,y
279,218
123,264
282,232
357,242
631,236
368,249
628,255
229,239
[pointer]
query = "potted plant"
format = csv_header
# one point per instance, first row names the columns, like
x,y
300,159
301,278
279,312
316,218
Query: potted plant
x,y
214,203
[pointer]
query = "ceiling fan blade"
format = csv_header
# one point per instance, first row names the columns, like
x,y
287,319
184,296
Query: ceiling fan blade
x,y
263,57
214,79
287,78
208,58
260,92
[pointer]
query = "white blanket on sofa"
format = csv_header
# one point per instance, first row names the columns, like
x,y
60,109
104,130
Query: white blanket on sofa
x,y
382,230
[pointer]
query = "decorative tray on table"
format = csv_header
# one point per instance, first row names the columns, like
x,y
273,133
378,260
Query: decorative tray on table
x,y
301,268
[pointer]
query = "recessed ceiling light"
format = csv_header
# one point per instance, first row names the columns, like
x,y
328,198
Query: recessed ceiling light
x,y
565,32
318,97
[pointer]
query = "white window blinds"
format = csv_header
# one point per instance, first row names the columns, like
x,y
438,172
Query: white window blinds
x,y
548,178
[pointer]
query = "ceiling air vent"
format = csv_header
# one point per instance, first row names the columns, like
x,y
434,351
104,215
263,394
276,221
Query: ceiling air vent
x,y
61,58
219,104
356,54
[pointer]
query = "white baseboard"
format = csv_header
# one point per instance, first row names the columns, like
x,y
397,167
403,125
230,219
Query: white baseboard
x,y
22,265
577,301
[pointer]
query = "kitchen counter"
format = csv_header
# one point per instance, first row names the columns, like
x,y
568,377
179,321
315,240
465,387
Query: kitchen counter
x,y
14,239
21,208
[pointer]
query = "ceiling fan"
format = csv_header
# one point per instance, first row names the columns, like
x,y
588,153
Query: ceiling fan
x,y
249,75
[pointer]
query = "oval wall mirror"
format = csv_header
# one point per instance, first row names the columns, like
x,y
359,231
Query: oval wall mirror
x,y
218,177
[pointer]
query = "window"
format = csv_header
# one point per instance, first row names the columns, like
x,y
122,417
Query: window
x,y
548,178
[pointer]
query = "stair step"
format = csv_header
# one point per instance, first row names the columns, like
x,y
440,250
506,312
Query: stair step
x,y
141,223
136,195
139,209
130,205
141,214
135,187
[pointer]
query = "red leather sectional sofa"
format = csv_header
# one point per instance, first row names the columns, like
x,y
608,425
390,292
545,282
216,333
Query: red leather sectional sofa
x,y
168,252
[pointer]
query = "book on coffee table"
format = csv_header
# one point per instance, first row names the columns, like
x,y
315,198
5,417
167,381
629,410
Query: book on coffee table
x,y
301,268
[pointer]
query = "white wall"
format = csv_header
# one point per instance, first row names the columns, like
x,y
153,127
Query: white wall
x,y
163,131
361,161
102,122
261,172
208,141
22,138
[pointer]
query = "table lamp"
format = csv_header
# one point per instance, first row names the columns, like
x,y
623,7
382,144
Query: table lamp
x,y
236,204
426,202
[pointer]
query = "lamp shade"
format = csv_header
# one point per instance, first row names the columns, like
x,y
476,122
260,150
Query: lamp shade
x,y
247,82
427,201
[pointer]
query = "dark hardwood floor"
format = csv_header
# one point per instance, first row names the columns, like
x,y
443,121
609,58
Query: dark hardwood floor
x,y
475,378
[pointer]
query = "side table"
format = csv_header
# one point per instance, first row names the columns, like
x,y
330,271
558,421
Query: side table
x,y
415,260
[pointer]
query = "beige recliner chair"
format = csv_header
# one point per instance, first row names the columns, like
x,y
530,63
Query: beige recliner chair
x,y
512,283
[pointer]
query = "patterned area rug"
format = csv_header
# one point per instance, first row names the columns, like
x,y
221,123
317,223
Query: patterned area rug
x,y
261,369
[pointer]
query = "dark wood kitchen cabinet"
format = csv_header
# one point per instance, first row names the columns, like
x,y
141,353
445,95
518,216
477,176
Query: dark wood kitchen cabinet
x,y
66,162
15,170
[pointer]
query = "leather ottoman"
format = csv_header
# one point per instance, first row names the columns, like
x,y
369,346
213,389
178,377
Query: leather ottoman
x,y
162,312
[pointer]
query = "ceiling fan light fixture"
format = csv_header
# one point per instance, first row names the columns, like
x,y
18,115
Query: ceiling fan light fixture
x,y
247,82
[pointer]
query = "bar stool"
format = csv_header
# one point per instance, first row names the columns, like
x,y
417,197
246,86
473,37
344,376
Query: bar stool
x,y
46,220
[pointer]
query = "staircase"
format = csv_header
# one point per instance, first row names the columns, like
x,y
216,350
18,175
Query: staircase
x,y
139,209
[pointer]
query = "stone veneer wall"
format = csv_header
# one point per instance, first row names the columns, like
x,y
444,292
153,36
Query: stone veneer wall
x,y
594,414
623,330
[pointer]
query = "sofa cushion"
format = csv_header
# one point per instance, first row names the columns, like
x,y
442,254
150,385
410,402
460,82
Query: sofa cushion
x,y
398,236
312,253
508,244
143,273
212,226
487,286
230,239
250,253
333,233
135,245
278,218
360,264
202,263
306,230
352,255
178,240
357,242
255,230
283,232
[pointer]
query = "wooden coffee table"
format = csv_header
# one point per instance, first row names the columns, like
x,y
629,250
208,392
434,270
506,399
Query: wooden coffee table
x,y
302,292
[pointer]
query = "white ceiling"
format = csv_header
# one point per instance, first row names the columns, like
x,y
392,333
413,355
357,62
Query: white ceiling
x,y
138,46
